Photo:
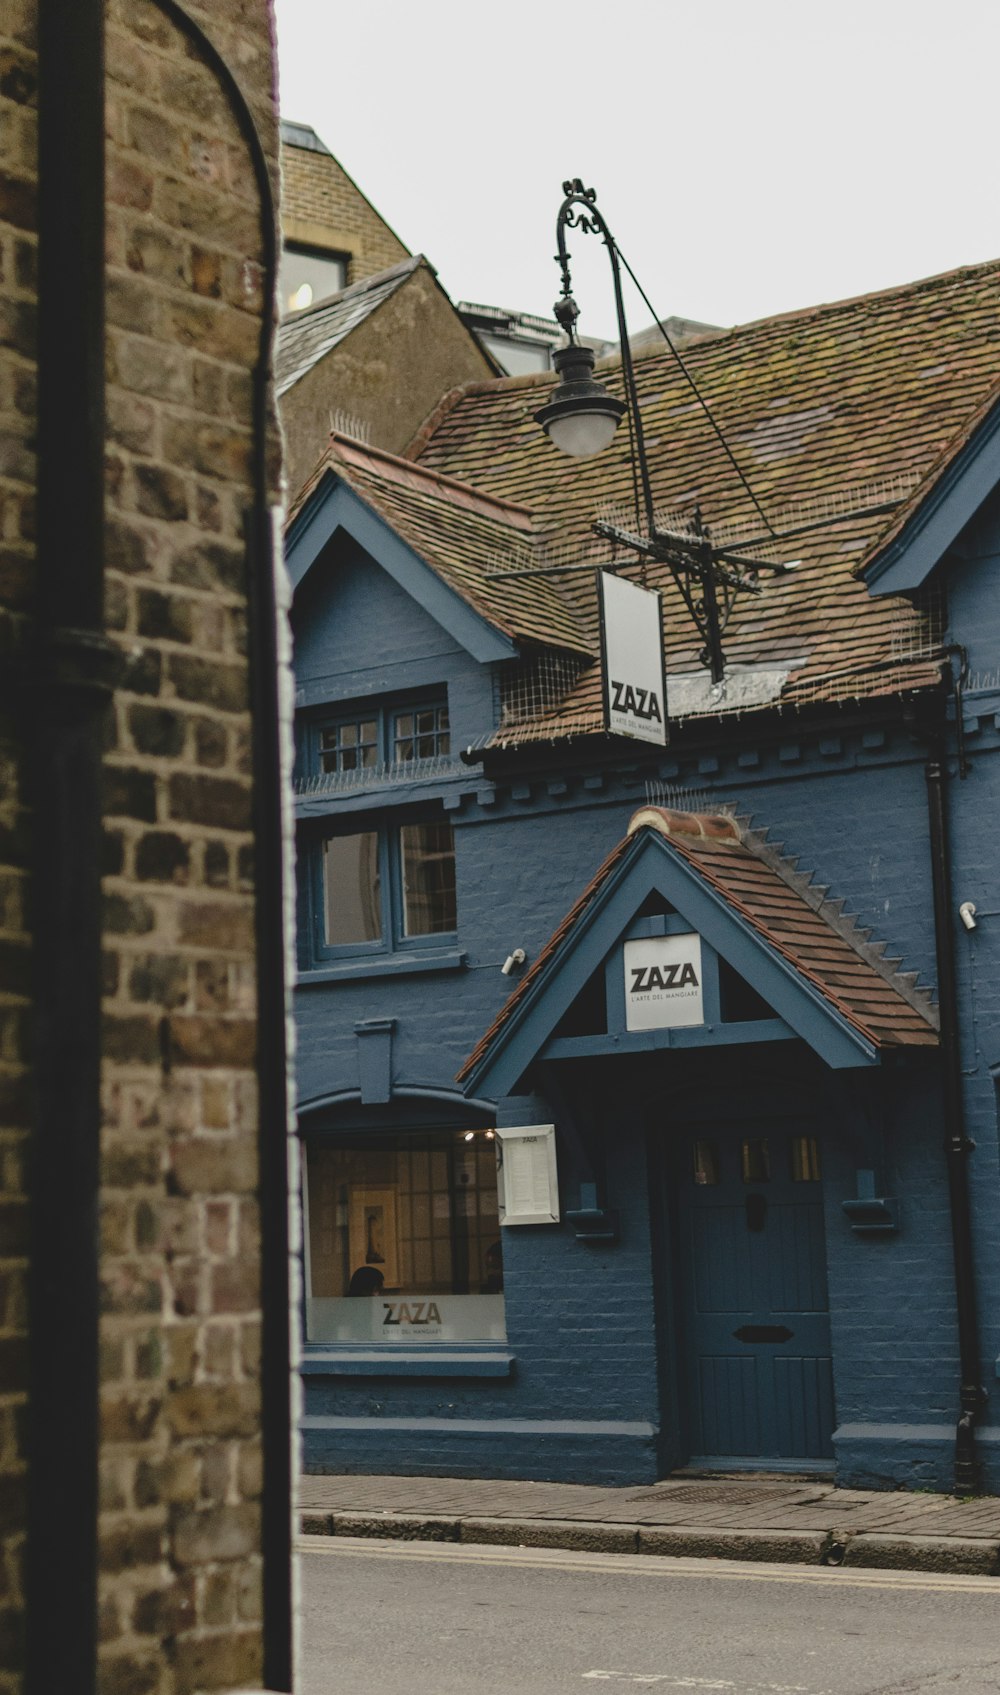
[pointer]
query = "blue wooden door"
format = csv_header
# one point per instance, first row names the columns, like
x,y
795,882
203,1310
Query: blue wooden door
x,y
753,1275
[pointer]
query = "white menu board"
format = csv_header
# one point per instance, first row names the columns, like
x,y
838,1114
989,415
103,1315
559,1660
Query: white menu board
x,y
527,1178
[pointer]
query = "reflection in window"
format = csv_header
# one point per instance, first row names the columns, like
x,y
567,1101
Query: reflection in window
x,y
351,889
423,733
349,747
428,853
706,1162
404,1239
756,1160
804,1151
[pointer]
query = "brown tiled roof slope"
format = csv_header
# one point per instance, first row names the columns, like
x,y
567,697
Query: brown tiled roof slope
x,y
850,404
462,534
786,909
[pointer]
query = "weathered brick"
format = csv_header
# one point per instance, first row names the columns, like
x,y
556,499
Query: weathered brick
x,y
129,793
157,730
161,493
219,1661
214,1533
162,857
213,1041
164,616
216,1166
224,925
160,977
208,682
218,801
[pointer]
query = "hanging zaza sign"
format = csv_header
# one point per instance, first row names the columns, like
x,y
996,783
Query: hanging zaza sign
x,y
635,687
663,983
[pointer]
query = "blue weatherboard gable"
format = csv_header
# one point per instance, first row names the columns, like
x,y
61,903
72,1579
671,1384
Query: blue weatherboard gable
x,y
650,866
937,521
336,507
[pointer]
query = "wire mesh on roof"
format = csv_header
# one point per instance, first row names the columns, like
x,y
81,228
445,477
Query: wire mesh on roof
x,y
536,686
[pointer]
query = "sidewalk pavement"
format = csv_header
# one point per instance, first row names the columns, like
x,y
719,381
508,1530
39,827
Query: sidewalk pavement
x,y
789,1519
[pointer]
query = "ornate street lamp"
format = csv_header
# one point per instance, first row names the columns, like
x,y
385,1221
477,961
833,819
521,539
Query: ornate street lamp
x,y
581,419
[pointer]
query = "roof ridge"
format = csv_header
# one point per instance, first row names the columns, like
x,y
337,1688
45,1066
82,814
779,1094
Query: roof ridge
x,y
450,399
406,471
825,307
857,936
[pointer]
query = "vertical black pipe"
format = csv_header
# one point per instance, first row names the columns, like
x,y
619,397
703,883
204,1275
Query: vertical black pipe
x,y
957,1144
269,882
65,705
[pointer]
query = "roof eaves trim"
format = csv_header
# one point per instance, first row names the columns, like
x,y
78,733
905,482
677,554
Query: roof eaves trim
x,y
334,506
793,997
938,515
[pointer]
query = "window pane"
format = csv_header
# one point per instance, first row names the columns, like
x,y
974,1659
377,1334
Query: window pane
x,y
402,1247
351,892
346,747
428,854
422,735
756,1160
706,1162
805,1159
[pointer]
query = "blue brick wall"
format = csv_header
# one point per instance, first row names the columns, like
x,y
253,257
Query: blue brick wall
x,y
584,1398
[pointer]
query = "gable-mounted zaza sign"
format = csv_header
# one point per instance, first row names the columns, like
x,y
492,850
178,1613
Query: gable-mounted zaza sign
x,y
663,983
635,686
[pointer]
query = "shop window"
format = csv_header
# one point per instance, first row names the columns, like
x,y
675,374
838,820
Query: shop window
x,y
403,1240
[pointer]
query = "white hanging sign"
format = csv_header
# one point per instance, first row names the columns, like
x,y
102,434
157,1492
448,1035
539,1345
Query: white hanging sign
x,y
527,1179
663,983
635,686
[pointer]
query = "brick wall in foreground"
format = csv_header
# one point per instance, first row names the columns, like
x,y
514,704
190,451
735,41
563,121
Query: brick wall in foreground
x,y
180,1460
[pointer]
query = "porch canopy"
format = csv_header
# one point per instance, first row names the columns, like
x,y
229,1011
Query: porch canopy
x,y
696,933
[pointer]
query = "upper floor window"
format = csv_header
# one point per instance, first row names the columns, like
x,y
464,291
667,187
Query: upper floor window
x,y
382,887
376,886
307,275
375,736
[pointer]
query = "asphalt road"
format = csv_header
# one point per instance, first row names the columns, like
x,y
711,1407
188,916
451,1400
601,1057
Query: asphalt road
x,y
393,1618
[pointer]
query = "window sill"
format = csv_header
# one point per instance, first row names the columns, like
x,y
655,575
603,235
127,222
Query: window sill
x,y
392,965
442,1361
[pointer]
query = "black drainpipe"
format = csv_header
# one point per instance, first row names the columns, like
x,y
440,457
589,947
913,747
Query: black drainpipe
x,y
957,1144
269,882
68,682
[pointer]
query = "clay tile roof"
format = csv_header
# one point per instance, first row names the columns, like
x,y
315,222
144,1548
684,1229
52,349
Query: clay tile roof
x,y
462,533
307,337
787,910
829,411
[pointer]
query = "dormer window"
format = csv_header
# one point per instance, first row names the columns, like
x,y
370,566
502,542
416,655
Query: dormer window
x,y
378,737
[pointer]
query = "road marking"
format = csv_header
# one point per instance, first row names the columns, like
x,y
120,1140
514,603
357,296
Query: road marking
x,y
645,1565
672,1682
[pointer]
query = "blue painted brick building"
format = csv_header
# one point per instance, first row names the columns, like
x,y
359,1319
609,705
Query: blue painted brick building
x,y
709,1173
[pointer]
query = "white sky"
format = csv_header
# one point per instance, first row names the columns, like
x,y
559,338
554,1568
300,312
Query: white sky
x,y
751,156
